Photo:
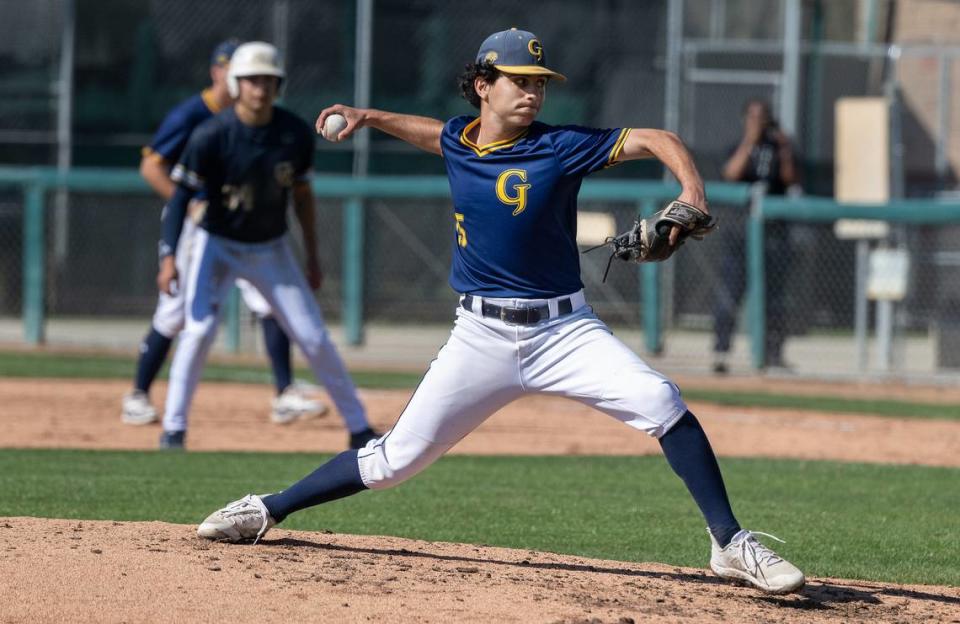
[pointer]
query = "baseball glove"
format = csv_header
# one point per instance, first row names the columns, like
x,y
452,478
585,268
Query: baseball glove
x,y
649,239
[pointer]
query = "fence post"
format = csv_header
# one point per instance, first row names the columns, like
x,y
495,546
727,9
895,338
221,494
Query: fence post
x,y
756,283
353,270
233,320
650,285
34,267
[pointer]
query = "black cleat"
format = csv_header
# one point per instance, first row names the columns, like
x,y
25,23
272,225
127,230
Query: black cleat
x,y
359,439
172,440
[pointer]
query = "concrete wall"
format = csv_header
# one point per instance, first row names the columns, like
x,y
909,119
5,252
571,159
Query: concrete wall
x,y
930,22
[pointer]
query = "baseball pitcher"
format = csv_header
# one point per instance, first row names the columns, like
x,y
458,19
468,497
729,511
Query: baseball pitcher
x,y
523,324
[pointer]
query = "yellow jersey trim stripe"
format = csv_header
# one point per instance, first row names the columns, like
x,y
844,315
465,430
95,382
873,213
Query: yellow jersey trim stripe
x,y
207,96
483,150
147,152
618,147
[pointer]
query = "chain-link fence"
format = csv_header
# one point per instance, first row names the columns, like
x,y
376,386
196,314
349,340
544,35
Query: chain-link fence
x,y
11,253
810,299
30,44
108,260
132,61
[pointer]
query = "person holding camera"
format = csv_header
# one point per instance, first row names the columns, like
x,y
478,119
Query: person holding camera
x,y
764,154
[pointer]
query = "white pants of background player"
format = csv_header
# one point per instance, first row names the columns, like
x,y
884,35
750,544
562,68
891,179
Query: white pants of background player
x,y
270,268
488,363
170,316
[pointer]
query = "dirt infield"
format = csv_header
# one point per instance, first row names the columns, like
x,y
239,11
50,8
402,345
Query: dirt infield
x,y
149,572
156,572
86,414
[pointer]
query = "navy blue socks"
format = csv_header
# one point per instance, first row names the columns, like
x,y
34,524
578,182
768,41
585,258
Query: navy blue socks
x,y
685,446
689,454
153,353
338,478
278,348
156,346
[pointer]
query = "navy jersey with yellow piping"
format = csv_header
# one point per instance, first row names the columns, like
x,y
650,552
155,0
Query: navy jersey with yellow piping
x,y
515,206
174,132
246,172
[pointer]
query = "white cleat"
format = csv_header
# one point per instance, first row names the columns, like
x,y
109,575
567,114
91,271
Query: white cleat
x,y
293,403
243,519
746,559
137,409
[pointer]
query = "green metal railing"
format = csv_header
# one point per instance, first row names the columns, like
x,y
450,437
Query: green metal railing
x,y
822,209
35,183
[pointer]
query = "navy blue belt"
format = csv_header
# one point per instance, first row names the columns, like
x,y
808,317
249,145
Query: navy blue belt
x,y
518,316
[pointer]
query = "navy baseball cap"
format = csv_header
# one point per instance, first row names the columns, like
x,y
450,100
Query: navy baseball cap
x,y
224,50
516,52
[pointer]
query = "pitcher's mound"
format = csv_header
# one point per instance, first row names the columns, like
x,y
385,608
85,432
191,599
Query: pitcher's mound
x,y
86,571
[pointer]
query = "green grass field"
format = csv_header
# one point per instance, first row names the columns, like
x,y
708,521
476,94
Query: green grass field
x,y
874,522
883,523
74,366
21,364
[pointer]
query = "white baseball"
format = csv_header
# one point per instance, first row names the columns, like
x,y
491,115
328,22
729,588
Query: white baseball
x,y
333,125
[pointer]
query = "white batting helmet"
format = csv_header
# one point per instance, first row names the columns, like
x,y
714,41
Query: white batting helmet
x,y
253,59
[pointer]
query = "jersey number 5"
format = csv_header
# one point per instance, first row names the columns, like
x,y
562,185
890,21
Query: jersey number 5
x,y
461,233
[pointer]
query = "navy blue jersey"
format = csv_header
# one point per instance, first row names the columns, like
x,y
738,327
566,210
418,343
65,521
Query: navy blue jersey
x,y
175,130
246,173
515,206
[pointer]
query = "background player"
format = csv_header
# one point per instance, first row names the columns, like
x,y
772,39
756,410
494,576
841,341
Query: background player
x,y
168,318
523,325
763,154
247,161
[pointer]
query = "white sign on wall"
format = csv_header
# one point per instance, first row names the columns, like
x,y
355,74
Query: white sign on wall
x,y
887,275
860,229
862,150
593,228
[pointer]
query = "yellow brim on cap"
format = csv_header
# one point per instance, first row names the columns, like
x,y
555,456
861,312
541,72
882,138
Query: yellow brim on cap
x,y
530,70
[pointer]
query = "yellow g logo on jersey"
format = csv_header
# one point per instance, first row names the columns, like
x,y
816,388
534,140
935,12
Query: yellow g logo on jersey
x,y
519,198
535,49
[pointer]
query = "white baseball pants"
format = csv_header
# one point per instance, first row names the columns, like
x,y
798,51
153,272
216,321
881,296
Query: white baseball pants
x,y
169,317
271,268
488,363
